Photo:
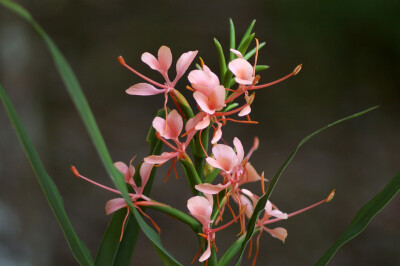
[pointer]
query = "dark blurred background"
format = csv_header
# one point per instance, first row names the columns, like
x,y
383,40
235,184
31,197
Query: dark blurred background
x,y
350,52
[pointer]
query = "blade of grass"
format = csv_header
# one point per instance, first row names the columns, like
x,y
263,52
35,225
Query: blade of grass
x,y
263,200
245,45
78,248
363,217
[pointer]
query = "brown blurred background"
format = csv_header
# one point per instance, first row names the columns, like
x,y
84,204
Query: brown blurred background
x,y
350,51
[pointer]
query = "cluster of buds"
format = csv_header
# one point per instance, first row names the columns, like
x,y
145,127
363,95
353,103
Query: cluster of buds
x,y
217,105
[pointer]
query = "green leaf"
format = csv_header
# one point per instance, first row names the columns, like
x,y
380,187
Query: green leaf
x,y
190,173
261,68
127,246
247,33
243,47
232,38
253,51
221,58
78,248
263,200
211,176
231,251
363,217
155,240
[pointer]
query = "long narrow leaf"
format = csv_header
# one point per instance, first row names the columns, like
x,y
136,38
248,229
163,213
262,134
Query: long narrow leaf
x,y
83,108
363,217
263,200
155,240
247,33
232,38
50,190
221,58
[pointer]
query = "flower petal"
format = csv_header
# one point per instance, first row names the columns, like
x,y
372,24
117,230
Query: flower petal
x,y
145,171
242,70
202,101
201,209
205,122
237,53
217,134
245,111
175,125
183,64
251,174
278,232
239,149
160,159
114,205
164,58
144,89
206,253
225,158
124,169
209,188
159,124
151,61
203,80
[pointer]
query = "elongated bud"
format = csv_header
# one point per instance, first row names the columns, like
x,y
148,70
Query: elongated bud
x,y
256,79
330,196
256,143
297,70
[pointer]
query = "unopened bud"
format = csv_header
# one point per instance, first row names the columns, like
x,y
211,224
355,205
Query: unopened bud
x,y
256,143
201,62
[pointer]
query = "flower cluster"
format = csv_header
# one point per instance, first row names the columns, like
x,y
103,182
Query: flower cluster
x,y
217,104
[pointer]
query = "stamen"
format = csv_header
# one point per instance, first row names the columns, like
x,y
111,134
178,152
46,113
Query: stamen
x,y
201,144
262,183
201,62
219,209
250,248
76,173
122,62
273,82
190,88
198,252
255,58
166,142
123,224
232,111
178,106
257,249
151,220
240,121
297,69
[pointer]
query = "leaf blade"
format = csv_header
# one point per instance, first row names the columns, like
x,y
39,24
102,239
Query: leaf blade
x,y
363,217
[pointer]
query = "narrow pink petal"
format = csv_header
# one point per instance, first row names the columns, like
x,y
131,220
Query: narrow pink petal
x,y
145,171
217,134
209,188
239,149
245,111
248,204
123,168
201,209
237,53
114,205
203,101
205,122
278,232
183,63
164,58
175,124
151,61
206,253
143,89
159,124
159,159
274,212
251,174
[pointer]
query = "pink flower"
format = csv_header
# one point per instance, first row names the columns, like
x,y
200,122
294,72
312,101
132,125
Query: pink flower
x,y
119,203
201,209
203,80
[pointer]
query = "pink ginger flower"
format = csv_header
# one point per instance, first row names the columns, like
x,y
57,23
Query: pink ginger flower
x,y
138,199
171,129
201,209
235,168
245,75
162,65
249,200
